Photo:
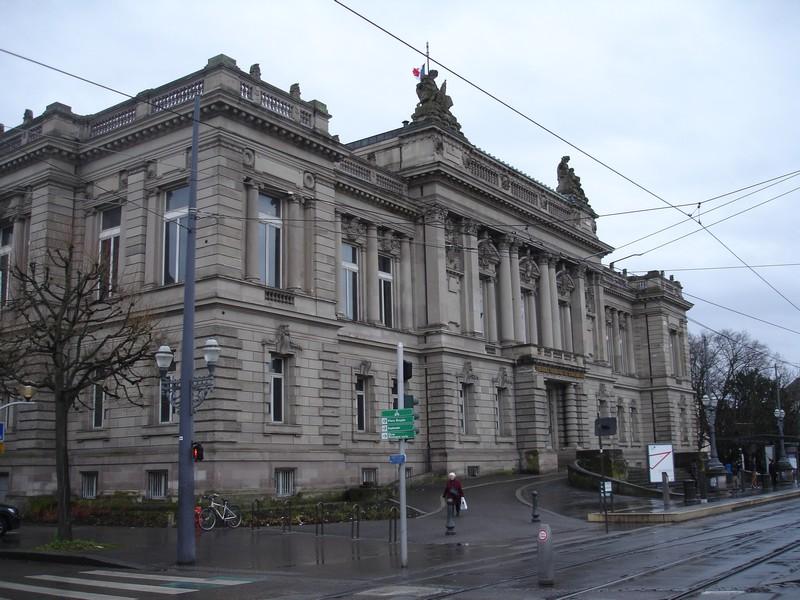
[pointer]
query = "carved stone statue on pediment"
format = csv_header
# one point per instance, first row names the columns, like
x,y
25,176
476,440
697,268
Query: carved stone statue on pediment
x,y
434,103
283,342
590,302
466,375
501,380
27,117
255,71
454,248
294,91
569,183
564,283
528,270
353,229
488,256
389,243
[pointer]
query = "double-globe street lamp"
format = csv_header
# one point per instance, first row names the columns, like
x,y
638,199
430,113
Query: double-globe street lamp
x,y
185,400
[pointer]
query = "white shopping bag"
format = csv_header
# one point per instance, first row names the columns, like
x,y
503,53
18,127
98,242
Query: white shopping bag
x,y
463,503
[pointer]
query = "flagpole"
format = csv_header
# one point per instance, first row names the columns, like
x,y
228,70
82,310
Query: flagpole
x,y
427,58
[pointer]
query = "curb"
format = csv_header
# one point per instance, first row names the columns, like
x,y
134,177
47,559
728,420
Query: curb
x,y
70,559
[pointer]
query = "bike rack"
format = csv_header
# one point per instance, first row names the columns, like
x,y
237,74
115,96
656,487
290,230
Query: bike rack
x,y
355,522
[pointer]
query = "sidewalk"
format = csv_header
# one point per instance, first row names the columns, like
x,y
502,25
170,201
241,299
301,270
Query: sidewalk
x,y
498,522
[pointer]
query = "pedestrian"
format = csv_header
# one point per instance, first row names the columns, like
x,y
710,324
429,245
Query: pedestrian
x,y
773,473
454,491
754,481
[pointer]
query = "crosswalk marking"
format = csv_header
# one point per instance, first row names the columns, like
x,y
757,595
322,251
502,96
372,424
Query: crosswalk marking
x,y
203,580
134,587
37,589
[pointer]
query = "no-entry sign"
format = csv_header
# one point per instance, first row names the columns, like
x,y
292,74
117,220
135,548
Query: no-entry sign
x,y
542,535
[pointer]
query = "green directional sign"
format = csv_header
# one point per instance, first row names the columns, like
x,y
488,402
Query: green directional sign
x,y
397,423
398,412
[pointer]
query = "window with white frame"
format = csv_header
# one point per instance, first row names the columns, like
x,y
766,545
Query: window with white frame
x,y
164,405
350,281
465,410
89,484
98,406
156,485
284,482
6,236
176,218
109,249
385,283
361,403
277,367
270,240
369,476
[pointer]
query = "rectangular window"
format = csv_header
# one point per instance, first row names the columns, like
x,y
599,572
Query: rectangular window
x,y
369,476
6,235
164,405
499,416
109,250
284,482
89,484
473,471
269,240
176,217
462,407
385,290
361,403
98,406
393,393
156,485
276,389
350,281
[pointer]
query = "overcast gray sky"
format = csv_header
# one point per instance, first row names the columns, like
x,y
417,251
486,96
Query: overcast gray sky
x,y
690,99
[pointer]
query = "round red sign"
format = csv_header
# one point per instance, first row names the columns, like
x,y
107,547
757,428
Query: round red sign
x,y
543,535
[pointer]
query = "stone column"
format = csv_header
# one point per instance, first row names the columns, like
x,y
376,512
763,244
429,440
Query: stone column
x,y
310,241
505,307
19,252
490,307
516,293
533,333
154,241
371,275
571,416
406,296
91,235
600,317
615,346
551,269
545,312
435,266
296,275
568,328
472,282
251,258
629,340
337,243
578,308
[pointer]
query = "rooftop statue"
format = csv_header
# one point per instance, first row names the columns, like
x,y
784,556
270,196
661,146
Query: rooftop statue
x,y
434,103
569,184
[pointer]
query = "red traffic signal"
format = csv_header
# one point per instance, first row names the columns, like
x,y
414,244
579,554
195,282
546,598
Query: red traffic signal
x,y
197,451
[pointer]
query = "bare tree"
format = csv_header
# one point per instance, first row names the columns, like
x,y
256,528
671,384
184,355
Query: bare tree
x,y
68,331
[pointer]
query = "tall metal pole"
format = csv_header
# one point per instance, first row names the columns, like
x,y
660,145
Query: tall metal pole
x,y
402,467
186,544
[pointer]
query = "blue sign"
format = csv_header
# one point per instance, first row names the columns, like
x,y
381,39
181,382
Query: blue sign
x,y
2,431
397,459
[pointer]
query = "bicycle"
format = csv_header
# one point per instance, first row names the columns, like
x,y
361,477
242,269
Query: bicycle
x,y
230,514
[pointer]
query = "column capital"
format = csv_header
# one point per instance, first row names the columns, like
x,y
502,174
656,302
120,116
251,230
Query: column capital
x,y
469,227
435,214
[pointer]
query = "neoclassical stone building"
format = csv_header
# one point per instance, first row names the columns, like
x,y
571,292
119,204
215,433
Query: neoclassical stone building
x,y
314,259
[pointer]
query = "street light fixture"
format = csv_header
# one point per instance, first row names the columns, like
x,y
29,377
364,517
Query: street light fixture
x,y
185,395
782,464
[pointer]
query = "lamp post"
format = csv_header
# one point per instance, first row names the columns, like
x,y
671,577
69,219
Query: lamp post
x,y
26,392
715,467
185,395
782,464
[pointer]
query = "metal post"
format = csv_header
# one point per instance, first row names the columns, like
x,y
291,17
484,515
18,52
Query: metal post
x,y
665,490
603,484
545,555
402,466
450,526
186,541
534,506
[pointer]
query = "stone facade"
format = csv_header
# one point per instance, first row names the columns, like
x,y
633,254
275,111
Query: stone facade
x,y
314,259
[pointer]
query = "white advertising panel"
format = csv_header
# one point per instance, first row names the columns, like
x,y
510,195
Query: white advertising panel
x,y
660,459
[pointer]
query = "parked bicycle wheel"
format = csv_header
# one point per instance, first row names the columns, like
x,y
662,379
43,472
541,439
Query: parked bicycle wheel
x,y
236,516
207,519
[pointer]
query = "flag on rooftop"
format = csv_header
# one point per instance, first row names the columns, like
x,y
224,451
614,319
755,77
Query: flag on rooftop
x,y
418,72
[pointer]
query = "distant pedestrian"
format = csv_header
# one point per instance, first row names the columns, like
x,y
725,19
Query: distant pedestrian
x,y
773,472
454,491
754,482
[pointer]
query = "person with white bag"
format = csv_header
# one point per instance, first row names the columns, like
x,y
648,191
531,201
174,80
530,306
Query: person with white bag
x,y
453,490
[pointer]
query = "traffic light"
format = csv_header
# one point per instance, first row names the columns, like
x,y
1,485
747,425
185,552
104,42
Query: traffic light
x,y
407,370
409,401
197,451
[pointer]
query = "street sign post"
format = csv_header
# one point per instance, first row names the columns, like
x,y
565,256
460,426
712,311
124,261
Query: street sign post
x,y
2,431
397,459
398,424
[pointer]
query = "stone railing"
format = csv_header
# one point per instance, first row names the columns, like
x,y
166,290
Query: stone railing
x,y
276,104
279,296
365,173
176,97
110,123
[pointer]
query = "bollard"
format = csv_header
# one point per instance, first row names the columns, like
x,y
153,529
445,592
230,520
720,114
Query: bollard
x,y
451,522
665,489
534,506
545,556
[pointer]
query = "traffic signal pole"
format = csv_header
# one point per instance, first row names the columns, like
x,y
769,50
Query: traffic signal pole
x,y
402,467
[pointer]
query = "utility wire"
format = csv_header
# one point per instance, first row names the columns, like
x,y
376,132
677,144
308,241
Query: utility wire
x,y
717,268
564,140
740,313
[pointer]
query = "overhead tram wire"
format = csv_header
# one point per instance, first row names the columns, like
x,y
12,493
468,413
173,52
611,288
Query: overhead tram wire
x,y
564,140
771,356
682,269
740,313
